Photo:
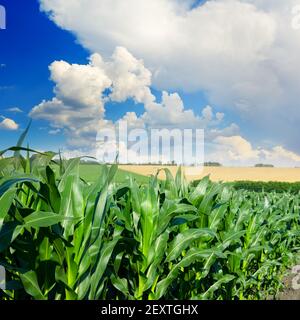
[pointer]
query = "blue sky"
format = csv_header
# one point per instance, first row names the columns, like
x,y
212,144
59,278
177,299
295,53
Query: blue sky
x,y
185,57
29,45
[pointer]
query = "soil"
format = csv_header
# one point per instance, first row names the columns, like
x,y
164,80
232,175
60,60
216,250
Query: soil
x,y
289,293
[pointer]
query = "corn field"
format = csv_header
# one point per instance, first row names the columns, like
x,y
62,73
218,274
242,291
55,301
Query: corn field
x,y
65,238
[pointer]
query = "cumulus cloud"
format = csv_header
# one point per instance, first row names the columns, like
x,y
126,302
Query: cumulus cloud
x,y
231,130
79,89
133,121
78,105
8,124
190,49
79,85
279,153
239,151
236,148
129,77
81,92
169,112
242,53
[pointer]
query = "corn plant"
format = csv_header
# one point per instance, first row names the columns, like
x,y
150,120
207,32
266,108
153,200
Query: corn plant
x,y
55,235
65,238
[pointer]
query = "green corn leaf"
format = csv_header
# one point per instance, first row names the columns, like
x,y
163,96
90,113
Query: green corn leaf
x,y
199,192
104,257
11,182
8,233
216,217
191,256
5,203
83,287
30,283
120,284
41,219
225,279
184,239
21,140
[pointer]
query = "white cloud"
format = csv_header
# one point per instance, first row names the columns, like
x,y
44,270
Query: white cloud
x,y
79,89
279,153
169,112
8,124
231,130
78,108
207,113
14,110
242,53
129,77
133,121
54,131
80,85
236,148
219,116
79,103
239,151
188,49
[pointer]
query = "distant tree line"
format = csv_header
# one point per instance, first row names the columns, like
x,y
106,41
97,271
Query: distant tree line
x,y
262,165
212,164
259,186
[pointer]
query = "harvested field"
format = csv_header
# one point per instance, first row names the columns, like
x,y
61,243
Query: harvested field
x,y
223,173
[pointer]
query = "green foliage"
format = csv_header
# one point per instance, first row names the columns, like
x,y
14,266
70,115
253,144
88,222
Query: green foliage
x,y
64,238
272,186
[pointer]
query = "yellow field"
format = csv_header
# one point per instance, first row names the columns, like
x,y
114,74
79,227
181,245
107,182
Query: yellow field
x,y
223,173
